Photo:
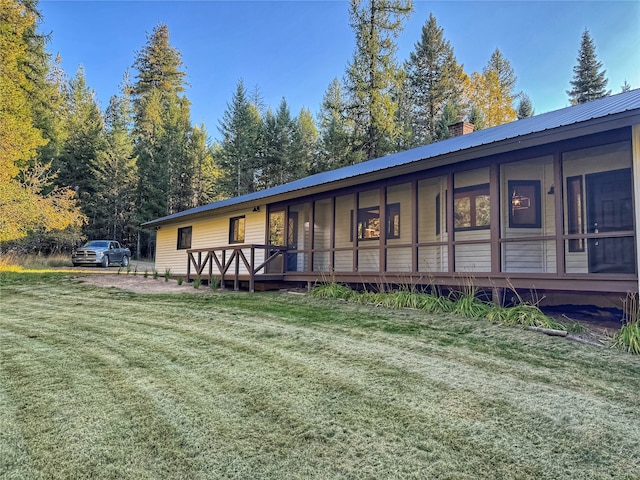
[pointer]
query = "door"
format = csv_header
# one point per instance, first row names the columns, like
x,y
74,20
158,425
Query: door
x,y
610,209
292,242
276,238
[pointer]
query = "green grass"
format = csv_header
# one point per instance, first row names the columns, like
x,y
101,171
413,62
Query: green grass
x,y
103,383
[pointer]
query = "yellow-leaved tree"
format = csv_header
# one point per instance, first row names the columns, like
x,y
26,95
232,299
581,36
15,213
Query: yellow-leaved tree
x,y
491,94
27,201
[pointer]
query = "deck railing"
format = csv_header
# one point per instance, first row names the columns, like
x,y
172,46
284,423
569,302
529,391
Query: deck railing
x,y
224,258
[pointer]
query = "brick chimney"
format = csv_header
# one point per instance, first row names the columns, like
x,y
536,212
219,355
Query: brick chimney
x,y
460,128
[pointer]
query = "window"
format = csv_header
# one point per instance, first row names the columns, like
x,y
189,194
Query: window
x,y
524,204
369,222
574,212
471,207
184,238
236,230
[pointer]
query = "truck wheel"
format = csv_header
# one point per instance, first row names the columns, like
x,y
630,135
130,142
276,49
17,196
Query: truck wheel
x,y
125,261
105,261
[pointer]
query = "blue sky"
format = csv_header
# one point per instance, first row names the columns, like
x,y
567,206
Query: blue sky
x,y
294,49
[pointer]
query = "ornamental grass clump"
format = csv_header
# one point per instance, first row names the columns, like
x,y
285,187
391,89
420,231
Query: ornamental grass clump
x,y
628,337
167,274
524,314
333,290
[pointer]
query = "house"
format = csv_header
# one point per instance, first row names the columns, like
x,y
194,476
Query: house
x,y
549,203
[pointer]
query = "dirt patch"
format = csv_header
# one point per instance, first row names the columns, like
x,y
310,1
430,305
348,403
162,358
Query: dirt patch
x,y
139,284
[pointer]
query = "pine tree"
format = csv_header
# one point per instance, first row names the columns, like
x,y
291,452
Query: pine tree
x,y
115,174
372,76
589,81
84,128
335,147
525,107
304,148
241,145
161,132
626,87
205,171
433,74
277,163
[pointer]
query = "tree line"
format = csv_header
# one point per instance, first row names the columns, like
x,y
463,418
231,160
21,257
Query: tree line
x,y
69,170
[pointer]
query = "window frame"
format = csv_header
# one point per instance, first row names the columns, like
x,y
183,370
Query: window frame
x,y
182,243
367,215
234,229
529,187
472,192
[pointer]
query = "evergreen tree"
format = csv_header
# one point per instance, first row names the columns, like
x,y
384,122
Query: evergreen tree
x,y
372,76
525,107
115,174
161,132
241,145
433,74
626,87
335,148
83,129
589,81
450,115
205,171
304,146
277,163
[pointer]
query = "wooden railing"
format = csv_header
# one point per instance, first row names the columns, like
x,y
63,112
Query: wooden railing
x,y
232,256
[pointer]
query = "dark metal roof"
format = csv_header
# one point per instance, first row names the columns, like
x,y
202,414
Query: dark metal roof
x,y
597,109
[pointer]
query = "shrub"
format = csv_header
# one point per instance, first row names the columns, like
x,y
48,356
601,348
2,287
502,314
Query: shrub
x,y
167,274
214,283
196,282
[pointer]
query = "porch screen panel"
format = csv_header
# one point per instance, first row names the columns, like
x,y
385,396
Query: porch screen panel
x,y
322,230
432,225
367,234
298,238
527,210
472,219
343,226
398,227
599,199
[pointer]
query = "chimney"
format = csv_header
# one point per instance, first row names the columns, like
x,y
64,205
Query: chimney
x,y
460,128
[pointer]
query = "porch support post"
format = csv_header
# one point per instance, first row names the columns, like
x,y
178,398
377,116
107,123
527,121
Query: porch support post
x,y
451,261
635,153
494,225
382,253
559,213
414,227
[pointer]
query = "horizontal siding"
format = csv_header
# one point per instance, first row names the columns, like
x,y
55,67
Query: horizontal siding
x,y
433,259
399,259
209,232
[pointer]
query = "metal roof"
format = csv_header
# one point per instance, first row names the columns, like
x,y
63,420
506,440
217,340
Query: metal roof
x,y
597,109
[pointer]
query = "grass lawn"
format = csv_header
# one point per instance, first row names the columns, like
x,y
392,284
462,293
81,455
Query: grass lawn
x,y
103,383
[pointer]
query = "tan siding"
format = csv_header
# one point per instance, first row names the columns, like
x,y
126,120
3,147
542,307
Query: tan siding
x,y
209,232
535,256
473,258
